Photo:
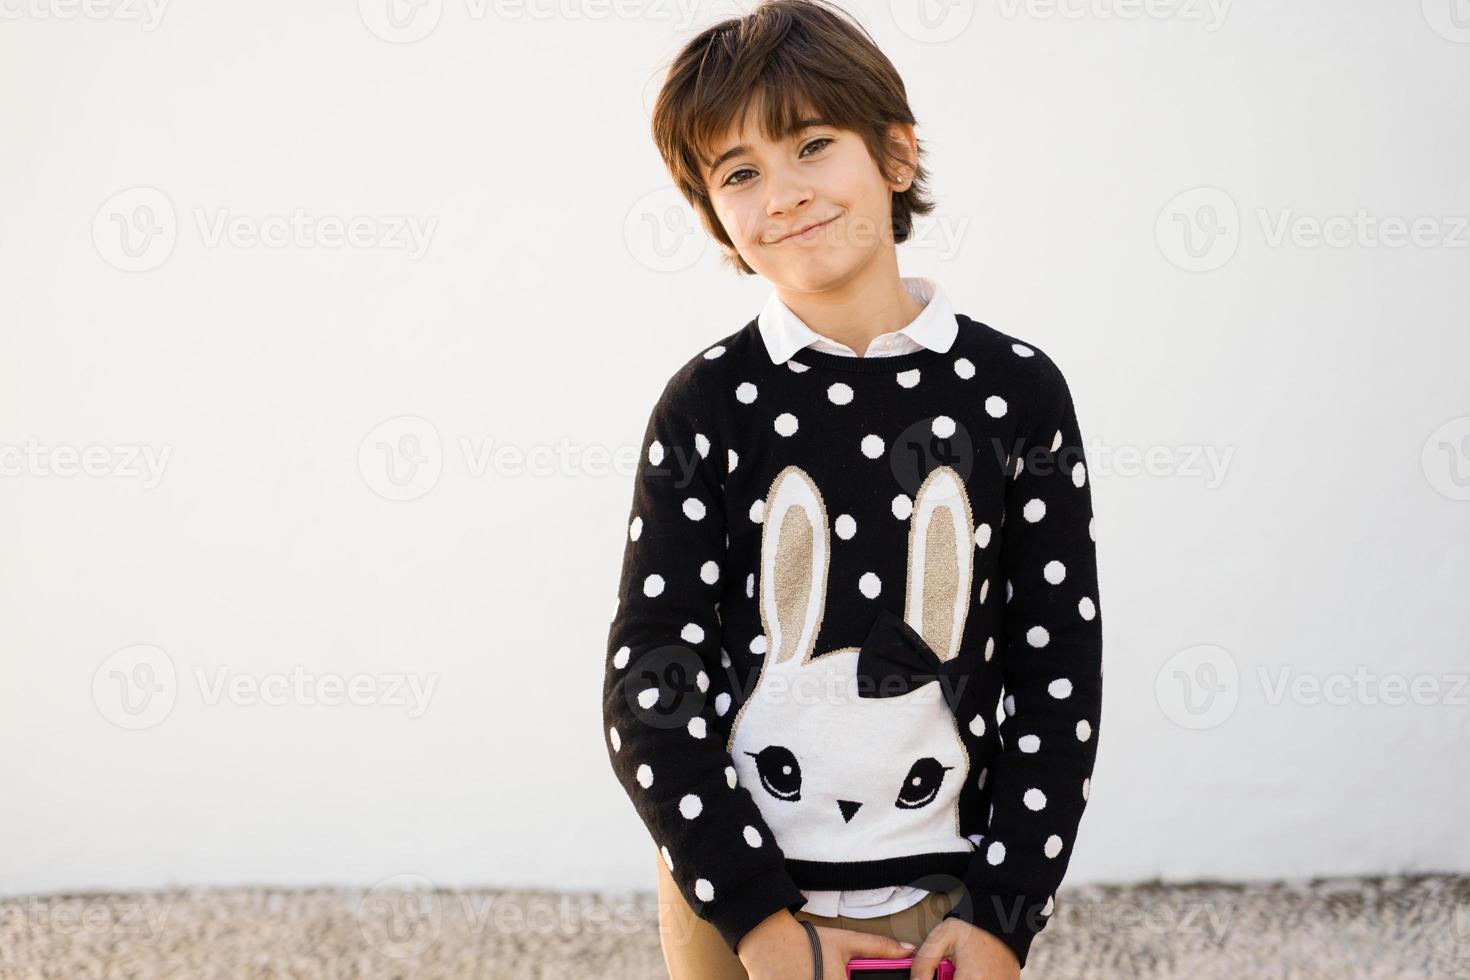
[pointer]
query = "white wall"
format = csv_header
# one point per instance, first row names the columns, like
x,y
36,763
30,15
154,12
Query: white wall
x,y
1322,378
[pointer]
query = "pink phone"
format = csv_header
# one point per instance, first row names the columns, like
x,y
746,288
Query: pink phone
x,y
894,969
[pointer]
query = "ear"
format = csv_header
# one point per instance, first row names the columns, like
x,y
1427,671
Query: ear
x,y
941,562
794,557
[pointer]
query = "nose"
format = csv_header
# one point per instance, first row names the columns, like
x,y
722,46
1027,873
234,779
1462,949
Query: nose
x,y
848,808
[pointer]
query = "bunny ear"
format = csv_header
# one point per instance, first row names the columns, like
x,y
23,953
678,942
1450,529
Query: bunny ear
x,y
941,562
794,555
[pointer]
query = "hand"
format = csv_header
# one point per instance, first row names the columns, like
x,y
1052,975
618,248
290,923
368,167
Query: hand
x,y
975,953
778,949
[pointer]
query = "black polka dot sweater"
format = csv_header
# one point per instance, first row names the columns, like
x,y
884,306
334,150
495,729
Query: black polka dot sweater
x,y
858,640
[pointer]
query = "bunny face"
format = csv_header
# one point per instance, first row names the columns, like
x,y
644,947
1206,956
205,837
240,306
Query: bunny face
x,y
839,777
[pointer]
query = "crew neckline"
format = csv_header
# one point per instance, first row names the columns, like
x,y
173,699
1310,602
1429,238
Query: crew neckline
x,y
864,364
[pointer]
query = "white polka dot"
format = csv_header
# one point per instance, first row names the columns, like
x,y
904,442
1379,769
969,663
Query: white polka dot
x,y
786,424
1022,349
694,508
1037,636
977,726
653,585
752,836
704,891
965,368
1084,730
908,379
750,586
714,352
797,367
620,659
1056,440
701,444
980,783
730,778
943,426
982,535
984,589
1090,533
692,633
1060,688
1028,743
1079,474
696,727
989,648
758,645
1034,510
872,446
1010,591
732,459
1008,704
1052,849
902,507
1046,909
1034,799
701,681
745,392
996,852
845,526
645,776
709,572
722,700
1086,608
758,511
995,406
1086,787
647,698
1054,572
615,738
839,393
655,452
870,585
690,806
635,529
668,861
975,839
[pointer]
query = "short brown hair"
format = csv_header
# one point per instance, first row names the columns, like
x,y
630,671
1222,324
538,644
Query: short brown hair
x,y
794,54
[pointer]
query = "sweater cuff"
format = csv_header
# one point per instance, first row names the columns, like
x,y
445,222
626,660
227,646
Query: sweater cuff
x,y
735,914
1012,917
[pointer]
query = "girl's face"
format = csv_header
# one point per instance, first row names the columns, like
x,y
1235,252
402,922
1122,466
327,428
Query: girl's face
x,y
807,213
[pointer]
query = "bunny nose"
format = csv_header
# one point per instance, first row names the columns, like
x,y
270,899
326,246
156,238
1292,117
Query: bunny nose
x,y
848,808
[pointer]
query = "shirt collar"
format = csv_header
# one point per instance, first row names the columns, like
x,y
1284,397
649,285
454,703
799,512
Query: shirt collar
x,y
935,327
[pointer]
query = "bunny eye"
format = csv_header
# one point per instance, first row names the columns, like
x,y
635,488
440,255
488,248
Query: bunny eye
x,y
779,771
922,784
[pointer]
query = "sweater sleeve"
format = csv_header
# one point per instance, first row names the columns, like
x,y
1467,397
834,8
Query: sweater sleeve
x,y
666,693
1040,777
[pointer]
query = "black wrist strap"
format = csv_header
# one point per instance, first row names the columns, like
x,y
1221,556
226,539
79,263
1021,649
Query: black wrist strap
x,y
811,933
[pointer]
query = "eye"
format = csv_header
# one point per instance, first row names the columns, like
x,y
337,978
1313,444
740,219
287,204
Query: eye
x,y
779,771
922,784
730,180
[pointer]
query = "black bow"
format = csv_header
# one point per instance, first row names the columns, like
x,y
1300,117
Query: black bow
x,y
895,660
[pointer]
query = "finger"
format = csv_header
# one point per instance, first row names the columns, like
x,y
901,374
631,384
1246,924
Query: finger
x,y
872,946
927,957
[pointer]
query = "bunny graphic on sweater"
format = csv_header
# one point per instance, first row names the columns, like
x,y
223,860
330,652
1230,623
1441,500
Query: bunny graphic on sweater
x,y
841,777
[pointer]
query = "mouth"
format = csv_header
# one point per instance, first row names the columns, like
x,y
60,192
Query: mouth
x,y
805,233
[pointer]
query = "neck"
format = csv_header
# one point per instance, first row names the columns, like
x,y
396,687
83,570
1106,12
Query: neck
x,y
854,312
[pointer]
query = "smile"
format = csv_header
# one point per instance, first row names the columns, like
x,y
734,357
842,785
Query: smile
x,y
805,235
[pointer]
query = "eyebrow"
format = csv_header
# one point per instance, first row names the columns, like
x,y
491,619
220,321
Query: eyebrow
x,y
802,125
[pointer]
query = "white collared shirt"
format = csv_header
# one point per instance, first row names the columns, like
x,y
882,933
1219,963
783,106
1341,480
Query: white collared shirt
x,y
935,327
784,334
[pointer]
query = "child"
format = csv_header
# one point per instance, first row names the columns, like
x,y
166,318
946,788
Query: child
x,y
854,677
